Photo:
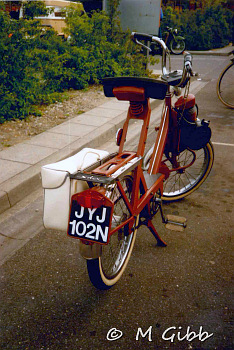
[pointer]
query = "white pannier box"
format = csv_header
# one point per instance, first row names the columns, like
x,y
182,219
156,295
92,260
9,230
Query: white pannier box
x,y
58,187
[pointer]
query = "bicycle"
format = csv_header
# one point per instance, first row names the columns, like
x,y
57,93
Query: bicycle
x,y
124,191
174,42
225,86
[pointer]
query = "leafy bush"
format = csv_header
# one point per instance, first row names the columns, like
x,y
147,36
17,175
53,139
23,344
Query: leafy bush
x,y
203,29
27,55
35,63
110,51
34,8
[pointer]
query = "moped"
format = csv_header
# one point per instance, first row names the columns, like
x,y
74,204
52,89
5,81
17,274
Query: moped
x,y
174,42
102,199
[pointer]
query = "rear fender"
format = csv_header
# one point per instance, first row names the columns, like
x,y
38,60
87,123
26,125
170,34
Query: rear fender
x,y
90,251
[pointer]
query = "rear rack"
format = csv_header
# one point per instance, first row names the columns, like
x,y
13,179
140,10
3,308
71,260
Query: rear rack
x,y
100,162
104,179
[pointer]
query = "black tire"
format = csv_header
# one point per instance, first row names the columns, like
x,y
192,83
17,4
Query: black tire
x,y
181,184
177,45
225,86
105,271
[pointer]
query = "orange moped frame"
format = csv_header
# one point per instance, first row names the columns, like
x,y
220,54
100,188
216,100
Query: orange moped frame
x,y
145,185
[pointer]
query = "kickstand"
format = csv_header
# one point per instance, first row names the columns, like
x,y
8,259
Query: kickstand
x,y
148,223
152,229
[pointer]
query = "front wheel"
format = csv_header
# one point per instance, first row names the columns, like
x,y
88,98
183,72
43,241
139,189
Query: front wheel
x,y
180,184
177,45
106,270
225,86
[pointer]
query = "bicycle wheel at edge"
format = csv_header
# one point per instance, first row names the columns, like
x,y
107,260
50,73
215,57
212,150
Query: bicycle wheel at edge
x,y
177,46
225,86
179,185
105,271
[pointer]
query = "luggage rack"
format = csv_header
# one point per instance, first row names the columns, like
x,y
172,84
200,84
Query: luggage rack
x,y
107,179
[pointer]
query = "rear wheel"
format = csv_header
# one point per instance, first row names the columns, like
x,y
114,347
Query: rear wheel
x,y
182,183
105,271
177,46
225,86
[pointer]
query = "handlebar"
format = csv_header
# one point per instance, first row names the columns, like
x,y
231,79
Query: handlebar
x,y
169,29
147,37
141,36
187,69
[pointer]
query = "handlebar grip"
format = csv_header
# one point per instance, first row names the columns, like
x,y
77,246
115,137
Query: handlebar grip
x,y
141,36
188,60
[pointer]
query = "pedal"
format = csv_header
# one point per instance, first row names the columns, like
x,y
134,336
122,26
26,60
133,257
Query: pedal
x,y
175,223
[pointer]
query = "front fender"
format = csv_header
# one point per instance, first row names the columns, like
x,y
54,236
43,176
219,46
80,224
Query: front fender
x,y
179,37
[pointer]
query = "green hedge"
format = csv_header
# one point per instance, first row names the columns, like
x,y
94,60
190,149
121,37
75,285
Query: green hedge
x,y
203,29
28,55
35,63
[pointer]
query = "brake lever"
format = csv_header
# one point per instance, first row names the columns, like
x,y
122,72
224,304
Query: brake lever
x,y
143,45
188,68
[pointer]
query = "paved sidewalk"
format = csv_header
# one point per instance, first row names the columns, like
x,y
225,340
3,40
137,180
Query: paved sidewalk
x,y
21,163
224,51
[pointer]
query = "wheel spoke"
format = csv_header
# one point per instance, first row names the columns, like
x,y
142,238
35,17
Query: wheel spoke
x,y
114,254
180,184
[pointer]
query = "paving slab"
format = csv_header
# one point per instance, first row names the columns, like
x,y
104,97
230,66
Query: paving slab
x,y
90,119
104,111
10,168
73,129
51,140
26,154
114,104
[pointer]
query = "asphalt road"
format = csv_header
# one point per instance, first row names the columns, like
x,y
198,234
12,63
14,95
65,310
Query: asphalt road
x,y
47,301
